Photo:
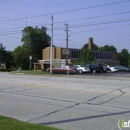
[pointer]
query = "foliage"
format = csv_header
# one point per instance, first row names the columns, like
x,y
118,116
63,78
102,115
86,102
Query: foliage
x,y
95,47
21,57
108,48
6,56
123,57
86,54
129,61
35,39
3,53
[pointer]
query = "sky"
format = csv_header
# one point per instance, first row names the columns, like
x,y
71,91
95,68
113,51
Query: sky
x,y
107,21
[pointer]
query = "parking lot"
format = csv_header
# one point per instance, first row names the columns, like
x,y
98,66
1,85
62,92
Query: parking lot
x,y
72,102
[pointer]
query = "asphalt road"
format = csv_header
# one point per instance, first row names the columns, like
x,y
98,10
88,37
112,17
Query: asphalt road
x,y
74,102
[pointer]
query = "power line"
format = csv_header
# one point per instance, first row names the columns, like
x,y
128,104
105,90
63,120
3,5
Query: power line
x,y
79,25
92,30
114,3
93,17
7,1
99,23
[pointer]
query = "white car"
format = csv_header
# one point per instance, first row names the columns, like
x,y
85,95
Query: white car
x,y
82,69
113,69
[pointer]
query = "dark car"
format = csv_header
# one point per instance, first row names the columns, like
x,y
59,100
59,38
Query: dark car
x,y
122,68
95,68
106,69
75,69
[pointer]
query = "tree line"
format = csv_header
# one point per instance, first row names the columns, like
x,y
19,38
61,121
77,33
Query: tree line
x,y
35,39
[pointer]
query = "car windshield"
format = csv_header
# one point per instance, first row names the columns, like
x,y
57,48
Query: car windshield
x,y
73,67
82,66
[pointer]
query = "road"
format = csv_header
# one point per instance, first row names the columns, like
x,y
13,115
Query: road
x,y
74,102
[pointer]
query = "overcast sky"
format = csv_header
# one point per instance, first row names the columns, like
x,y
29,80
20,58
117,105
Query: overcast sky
x,y
107,21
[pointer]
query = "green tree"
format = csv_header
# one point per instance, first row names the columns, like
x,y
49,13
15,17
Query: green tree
x,y
3,53
35,39
123,57
21,57
129,61
9,59
95,47
108,48
86,54
6,56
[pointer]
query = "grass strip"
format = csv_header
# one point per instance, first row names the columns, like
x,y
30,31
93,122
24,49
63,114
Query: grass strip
x,y
13,124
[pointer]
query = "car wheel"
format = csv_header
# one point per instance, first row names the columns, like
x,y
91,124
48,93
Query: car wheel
x,y
94,71
67,72
101,71
80,71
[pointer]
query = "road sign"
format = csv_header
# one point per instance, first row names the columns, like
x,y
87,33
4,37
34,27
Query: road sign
x,y
66,51
30,57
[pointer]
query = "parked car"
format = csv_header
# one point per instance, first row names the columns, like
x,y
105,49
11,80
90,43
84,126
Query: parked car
x,y
95,68
64,69
82,69
123,68
113,69
106,69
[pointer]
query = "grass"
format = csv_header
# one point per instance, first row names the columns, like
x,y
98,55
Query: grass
x,y
13,124
32,72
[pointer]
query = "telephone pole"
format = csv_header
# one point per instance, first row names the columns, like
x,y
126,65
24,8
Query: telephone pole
x,y
51,46
67,43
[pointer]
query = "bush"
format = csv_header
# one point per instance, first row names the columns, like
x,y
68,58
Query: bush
x,y
45,70
3,70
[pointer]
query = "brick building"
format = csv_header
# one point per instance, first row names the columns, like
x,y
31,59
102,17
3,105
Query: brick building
x,y
59,56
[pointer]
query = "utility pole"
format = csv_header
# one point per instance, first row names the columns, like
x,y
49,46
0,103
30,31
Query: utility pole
x,y
51,46
67,43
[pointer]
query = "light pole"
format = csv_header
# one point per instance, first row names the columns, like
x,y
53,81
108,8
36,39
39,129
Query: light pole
x,y
30,58
51,47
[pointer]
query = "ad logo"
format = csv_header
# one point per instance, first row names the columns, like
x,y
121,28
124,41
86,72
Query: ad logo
x,y
123,124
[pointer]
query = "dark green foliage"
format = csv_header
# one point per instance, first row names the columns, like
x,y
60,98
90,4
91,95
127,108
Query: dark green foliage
x,y
123,57
129,61
86,54
95,47
21,57
108,48
35,39
6,56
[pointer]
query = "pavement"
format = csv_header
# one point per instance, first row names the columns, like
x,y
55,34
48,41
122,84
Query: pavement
x,y
71,102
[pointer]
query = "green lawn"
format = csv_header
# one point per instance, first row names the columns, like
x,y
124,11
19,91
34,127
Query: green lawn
x,y
32,72
12,124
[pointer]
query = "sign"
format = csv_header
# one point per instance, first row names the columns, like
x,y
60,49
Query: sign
x,y
66,51
30,57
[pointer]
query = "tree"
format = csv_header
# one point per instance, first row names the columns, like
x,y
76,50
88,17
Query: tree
x,y
123,57
6,56
129,61
35,39
2,53
21,57
86,54
108,48
95,47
